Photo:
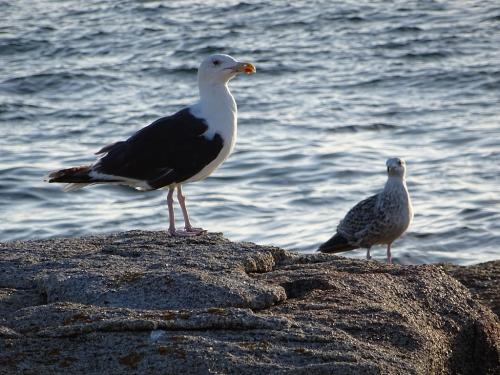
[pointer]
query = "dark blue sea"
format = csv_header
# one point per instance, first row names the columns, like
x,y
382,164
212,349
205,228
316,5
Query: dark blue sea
x,y
340,87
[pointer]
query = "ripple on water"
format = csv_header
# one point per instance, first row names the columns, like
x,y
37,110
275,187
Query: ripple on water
x,y
340,88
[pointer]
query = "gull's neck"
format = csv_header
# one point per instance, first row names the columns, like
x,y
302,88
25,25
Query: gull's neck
x,y
218,107
394,182
216,94
396,197
395,193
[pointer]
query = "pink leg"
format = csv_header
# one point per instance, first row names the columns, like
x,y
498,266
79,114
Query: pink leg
x,y
389,258
171,217
368,256
187,224
171,229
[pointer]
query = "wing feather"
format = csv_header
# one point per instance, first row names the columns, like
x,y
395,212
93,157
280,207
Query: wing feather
x,y
358,222
169,150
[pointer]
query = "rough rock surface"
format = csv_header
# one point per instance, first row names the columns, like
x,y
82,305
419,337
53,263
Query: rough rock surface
x,y
141,302
483,280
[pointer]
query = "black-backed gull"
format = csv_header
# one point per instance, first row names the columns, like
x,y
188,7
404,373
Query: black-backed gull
x,y
184,147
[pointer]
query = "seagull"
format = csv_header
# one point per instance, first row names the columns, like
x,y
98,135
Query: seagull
x,y
379,219
185,147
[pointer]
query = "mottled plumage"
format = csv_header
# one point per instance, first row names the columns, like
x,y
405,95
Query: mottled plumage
x,y
379,219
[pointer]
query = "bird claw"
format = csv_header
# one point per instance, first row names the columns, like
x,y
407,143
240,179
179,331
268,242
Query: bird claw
x,y
191,232
196,230
181,233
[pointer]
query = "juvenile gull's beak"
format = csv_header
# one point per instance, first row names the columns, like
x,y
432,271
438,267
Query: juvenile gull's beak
x,y
243,67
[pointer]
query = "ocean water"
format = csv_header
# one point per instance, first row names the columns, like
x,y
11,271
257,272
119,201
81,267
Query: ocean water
x,y
340,87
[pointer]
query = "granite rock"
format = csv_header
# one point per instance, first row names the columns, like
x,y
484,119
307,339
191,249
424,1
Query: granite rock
x,y
482,280
144,303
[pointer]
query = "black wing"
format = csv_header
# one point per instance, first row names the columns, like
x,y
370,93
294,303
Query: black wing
x,y
170,150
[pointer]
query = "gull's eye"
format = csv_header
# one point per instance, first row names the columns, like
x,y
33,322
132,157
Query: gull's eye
x,y
216,62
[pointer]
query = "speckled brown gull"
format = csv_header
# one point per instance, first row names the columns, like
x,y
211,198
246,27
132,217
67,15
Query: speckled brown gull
x,y
379,219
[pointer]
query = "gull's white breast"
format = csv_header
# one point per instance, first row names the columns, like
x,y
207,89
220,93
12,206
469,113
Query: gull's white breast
x,y
222,121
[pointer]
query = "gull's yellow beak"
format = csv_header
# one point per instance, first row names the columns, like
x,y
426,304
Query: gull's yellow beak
x,y
244,67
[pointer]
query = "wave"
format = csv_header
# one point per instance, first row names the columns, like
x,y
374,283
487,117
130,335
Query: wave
x,y
362,128
34,83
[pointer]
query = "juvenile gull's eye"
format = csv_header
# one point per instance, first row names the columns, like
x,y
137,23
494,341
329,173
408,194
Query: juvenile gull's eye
x,y
216,62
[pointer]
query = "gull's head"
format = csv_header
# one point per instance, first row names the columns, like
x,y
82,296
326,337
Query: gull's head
x,y
396,167
219,68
